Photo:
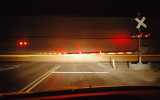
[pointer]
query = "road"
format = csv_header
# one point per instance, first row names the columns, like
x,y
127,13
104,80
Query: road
x,y
50,76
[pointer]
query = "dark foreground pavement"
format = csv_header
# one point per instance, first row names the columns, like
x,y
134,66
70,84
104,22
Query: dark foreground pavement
x,y
50,76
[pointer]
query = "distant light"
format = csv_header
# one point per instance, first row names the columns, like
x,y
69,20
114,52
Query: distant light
x,y
21,43
80,52
140,35
148,35
25,43
50,53
59,53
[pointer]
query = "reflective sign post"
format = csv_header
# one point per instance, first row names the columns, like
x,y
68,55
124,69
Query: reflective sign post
x,y
139,51
139,43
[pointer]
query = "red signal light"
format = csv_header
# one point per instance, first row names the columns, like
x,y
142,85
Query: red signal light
x,y
140,35
25,43
148,35
20,43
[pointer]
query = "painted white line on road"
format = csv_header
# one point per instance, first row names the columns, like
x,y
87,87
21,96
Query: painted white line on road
x,y
80,72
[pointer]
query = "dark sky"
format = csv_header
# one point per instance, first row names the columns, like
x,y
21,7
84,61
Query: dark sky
x,y
125,8
61,25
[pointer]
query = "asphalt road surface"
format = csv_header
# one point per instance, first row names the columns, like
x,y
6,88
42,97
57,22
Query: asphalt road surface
x,y
50,76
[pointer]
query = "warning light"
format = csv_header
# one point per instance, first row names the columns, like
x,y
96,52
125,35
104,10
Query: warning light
x,y
147,35
25,43
80,52
20,43
140,35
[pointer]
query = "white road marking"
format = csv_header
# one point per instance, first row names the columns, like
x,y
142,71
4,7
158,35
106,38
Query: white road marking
x,y
79,72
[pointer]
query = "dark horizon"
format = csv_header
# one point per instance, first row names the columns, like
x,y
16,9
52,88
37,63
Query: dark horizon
x,y
82,8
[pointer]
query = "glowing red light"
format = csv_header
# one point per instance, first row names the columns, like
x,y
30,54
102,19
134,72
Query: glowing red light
x,y
148,35
140,35
25,43
21,43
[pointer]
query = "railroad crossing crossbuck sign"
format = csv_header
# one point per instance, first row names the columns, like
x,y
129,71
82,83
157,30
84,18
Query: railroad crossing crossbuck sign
x,y
140,22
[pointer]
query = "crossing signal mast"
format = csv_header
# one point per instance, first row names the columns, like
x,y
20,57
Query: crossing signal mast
x,y
140,34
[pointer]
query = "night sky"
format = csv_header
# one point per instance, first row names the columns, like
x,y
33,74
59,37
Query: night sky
x,y
125,8
74,25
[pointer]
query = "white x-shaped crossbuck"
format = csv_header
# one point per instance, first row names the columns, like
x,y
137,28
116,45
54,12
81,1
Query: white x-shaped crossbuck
x,y
140,22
